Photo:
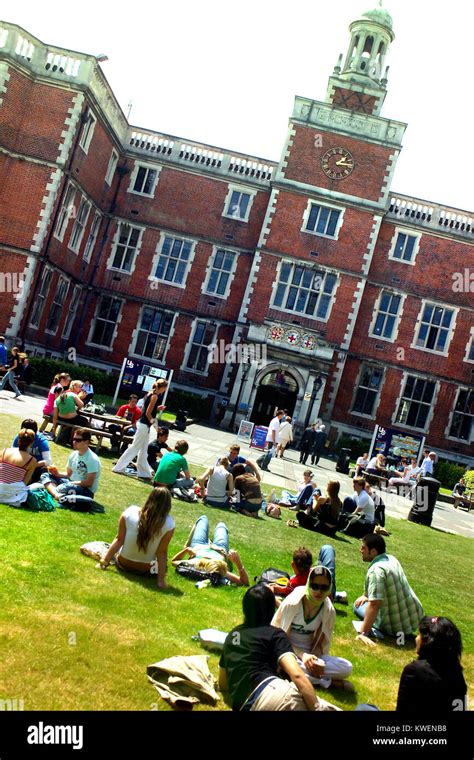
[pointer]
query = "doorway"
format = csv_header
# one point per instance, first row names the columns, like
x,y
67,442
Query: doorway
x,y
277,389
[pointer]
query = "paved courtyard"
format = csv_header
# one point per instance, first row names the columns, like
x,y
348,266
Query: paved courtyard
x,y
207,443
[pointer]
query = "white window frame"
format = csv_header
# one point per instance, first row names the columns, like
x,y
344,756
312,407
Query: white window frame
x,y
469,348
137,330
332,207
431,404
116,243
38,307
92,237
72,311
79,226
87,132
66,212
450,331
416,247
398,316
371,366
294,263
238,189
113,161
59,303
144,165
94,321
190,344
210,269
451,418
158,253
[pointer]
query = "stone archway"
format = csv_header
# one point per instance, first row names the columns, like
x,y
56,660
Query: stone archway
x,y
275,387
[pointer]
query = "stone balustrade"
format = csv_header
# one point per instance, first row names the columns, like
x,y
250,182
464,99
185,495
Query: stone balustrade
x,y
432,216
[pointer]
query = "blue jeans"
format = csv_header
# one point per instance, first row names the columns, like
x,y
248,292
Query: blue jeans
x,y
9,377
327,558
65,487
201,534
360,612
183,483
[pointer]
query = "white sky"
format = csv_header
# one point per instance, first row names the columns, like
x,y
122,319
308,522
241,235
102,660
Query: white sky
x,y
226,74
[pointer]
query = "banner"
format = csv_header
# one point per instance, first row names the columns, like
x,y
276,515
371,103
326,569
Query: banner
x,y
245,431
138,376
259,436
396,443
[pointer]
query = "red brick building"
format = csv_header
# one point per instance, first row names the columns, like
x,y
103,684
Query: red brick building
x,y
118,241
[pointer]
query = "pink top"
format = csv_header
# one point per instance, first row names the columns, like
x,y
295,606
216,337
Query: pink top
x,y
48,408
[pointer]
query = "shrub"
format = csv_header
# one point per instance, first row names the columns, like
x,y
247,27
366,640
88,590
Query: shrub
x,y
198,407
45,369
469,478
448,473
358,446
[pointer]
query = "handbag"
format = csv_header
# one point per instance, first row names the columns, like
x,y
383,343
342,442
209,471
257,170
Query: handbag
x,y
272,575
188,570
40,500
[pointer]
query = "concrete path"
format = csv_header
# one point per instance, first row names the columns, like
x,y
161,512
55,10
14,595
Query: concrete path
x,y
207,443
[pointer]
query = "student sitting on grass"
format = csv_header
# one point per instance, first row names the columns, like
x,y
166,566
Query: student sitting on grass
x,y
301,564
67,407
143,537
81,480
254,657
434,683
300,499
307,616
323,516
220,484
39,449
16,469
249,495
170,467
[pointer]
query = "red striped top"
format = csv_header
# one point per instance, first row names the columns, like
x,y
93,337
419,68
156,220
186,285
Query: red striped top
x,y
12,473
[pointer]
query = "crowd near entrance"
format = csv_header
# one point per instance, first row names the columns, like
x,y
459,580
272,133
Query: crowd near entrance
x,y
277,389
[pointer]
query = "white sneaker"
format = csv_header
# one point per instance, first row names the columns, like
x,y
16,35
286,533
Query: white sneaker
x,y
341,597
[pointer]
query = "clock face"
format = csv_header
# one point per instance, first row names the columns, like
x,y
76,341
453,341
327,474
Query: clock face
x,y
337,163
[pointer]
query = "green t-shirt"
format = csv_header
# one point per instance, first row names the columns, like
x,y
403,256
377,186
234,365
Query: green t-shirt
x,y
169,467
67,406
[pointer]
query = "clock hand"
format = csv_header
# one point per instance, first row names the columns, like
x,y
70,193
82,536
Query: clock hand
x,y
342,162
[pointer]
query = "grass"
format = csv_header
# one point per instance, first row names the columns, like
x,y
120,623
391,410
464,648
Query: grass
x,y
81,638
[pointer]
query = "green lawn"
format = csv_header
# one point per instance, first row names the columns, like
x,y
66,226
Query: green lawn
x,y
74,637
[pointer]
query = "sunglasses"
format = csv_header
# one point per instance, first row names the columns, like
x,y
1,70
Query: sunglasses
x,y
75,440
319,587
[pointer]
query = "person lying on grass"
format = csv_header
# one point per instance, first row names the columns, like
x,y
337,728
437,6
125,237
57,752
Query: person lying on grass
x,y
307,616
143,537
255,657
212,557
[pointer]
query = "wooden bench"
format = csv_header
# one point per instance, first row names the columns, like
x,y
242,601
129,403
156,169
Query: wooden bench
x,y
375,480
97,432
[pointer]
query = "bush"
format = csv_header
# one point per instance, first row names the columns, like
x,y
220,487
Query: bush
x,y
358,446
469,478
448,473
45,369
198,407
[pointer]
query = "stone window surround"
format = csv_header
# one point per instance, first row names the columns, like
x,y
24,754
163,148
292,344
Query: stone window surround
x,y
324,204
189,345
146,165
451,329
210,267
398,316
411,233
156,258
243,190
299,313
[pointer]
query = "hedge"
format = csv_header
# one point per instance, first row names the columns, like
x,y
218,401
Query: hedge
x,y
449,473
357,446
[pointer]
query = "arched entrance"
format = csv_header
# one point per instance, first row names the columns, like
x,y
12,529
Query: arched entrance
x,y
277,389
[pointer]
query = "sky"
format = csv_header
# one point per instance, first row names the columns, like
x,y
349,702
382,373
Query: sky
x,y
226,74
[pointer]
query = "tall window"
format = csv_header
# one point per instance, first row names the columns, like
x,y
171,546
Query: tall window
x,y
79,225
198,358
56,308
462,422
238,205
72,311
304,291
368,390
221,272
41,297
105,321
113,160
93,232
405,247
153,332
387,314
87,132
173,260
145,180
433,333
322,220
416,402
129,239
66,212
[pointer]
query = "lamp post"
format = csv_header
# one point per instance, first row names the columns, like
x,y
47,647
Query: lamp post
x,y
314,394
245,371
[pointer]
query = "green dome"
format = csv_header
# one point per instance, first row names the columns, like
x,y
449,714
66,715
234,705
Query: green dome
x,y
380,16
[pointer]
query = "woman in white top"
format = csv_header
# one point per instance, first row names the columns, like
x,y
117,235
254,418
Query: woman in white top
x,y
143,537
285,436
220,484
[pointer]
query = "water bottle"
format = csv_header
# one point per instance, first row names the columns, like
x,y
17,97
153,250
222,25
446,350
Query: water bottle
x,y
263,508
203,584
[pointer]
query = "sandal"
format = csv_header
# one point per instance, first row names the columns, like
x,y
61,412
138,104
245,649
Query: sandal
x,y
293,523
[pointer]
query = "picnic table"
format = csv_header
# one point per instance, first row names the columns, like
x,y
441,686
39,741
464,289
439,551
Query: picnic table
x,y
100,432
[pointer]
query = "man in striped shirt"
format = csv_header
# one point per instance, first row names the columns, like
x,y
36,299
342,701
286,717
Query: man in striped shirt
x,y
389,605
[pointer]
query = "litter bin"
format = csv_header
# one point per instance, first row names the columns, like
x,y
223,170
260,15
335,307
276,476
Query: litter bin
x,y
424,500
343,460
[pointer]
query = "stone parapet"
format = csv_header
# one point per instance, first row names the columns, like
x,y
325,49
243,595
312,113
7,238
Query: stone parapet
x,y
434,217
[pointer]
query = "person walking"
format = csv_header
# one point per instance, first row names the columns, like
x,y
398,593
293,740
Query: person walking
x,y
271,441
12,369
3,352
285,436
320,438
307,442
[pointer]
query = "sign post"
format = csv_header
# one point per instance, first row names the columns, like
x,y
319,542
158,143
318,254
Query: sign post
x,y
138,377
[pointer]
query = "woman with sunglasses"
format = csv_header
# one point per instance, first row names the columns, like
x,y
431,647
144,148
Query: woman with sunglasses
x,y
434,683
307,616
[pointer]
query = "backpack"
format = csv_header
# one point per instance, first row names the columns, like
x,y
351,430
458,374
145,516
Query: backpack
x,y
187,570
185,494
40,500
272,575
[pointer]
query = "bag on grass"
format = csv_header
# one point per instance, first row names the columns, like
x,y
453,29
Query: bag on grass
x,y
40,500
272,575
95,549
185,494
188,570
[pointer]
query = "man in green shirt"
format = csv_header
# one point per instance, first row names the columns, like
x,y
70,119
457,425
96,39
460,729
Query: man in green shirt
x,y
172,463
389,605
